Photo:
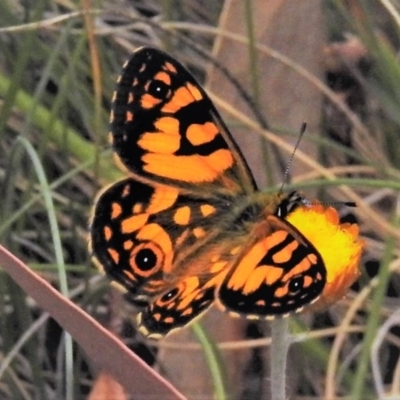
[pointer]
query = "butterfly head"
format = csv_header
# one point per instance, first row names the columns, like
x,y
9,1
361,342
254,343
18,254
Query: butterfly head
x,y
289,203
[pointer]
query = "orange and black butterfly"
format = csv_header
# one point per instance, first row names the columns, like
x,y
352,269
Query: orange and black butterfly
x,y
187,227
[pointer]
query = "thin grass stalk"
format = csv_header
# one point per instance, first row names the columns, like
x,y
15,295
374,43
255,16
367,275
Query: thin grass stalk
x,y
6,223
21,64
358,391
252,52
44,77
255,83
55,233
78,147
21,342
378,372
95,64
213,359
168,12
21,312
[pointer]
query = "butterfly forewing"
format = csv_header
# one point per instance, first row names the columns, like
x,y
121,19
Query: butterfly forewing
x,y
165,128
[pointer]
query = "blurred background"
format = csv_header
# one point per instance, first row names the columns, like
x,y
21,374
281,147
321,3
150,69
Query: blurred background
x,y
269,65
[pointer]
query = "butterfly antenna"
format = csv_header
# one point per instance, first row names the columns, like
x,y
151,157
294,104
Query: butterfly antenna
x,y
286,174
330,203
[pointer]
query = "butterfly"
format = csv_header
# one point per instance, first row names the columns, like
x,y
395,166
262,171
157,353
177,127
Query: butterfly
x,y
187,227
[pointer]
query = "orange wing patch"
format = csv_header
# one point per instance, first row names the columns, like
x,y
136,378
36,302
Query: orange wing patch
x,y
194,169
199,134
181,98
182,215
165,141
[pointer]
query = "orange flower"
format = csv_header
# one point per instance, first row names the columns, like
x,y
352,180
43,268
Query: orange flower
x,y
338,244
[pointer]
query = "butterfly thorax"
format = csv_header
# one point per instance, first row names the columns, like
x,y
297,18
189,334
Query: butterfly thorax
x,y
237,222
253,209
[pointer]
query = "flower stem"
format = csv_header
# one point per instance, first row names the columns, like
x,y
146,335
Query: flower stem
x,y
279,350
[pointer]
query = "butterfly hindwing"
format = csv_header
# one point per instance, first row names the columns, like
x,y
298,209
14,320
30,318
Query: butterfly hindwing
x,y
275,275
176,308
165,128
139,235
